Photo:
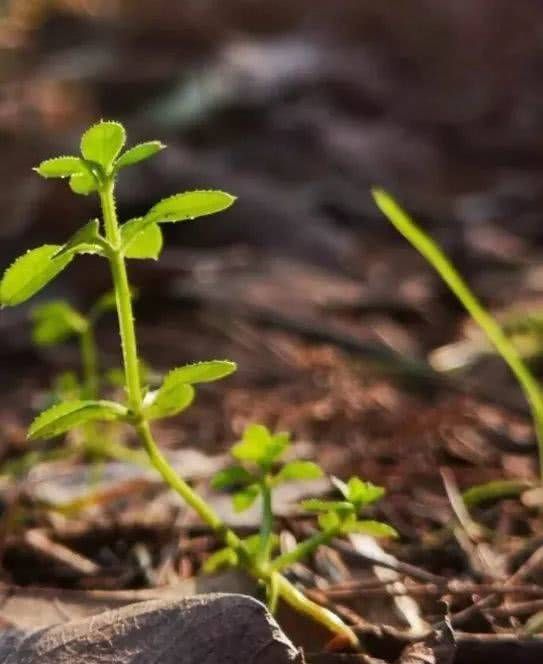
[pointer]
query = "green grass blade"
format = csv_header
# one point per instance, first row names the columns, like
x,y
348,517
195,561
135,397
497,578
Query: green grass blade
x,y
446,270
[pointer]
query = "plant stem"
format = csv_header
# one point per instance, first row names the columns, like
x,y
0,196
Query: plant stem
x,y
429,249
130,358
158,460
305,548
266,526
301,603
123,299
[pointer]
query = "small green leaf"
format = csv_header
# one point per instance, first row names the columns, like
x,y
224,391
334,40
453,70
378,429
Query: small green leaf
x,y
102,142
83,184
55,321
170,399
368,527
299,470
144,244
29,273
259,446
317,505
363,493
69,414
244,498
139,153
329,521
358,492
182,207
59,167
189,205
252,447
226,557
233,476
202,372
87,240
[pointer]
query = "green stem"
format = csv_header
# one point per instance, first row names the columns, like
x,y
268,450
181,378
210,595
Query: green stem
x,y
301,603
130,358
172,478
304,549
123,300
266,527
446,270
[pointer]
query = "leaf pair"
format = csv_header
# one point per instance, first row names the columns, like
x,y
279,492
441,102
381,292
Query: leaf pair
x,y
356,493
176,392
345,525
100,147
342,515
142,237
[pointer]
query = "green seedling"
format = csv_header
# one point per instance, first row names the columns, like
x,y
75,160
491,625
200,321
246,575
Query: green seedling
x,y
56,322
495,334
95,171
260,469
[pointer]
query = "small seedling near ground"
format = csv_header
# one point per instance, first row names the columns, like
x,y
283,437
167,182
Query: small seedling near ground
x,y
95,170
499,338
259,471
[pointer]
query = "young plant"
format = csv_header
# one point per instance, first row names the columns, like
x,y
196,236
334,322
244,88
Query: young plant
x,y
56,321
424,244
95,170
258,472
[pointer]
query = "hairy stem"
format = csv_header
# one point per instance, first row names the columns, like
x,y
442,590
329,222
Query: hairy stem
x,y
123,300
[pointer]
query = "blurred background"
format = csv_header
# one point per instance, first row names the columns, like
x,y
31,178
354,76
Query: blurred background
x,y
342,333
